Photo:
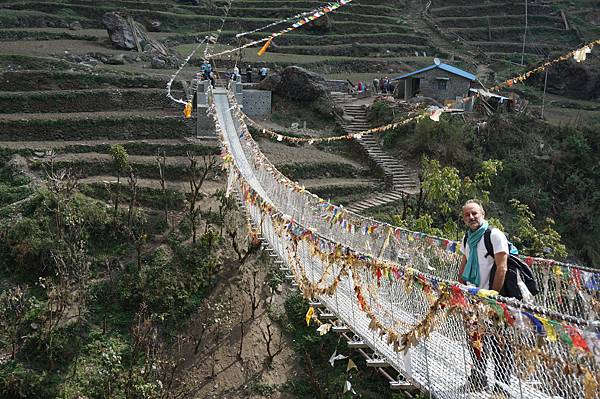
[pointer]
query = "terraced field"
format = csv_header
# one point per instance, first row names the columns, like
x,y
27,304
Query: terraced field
x,y
50,104
376,32
50,100
498,28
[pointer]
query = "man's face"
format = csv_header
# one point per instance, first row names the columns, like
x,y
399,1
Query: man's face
x,y
473,216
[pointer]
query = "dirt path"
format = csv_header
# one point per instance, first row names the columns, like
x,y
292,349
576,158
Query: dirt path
x,y
333,182
424,24
209,186
56,47
143,159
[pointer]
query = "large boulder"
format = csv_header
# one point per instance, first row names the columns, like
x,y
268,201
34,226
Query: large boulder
x,y
296,84
125,33
572,79
119,30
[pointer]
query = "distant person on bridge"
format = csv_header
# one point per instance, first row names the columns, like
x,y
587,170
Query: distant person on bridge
x,y
375,85
485,271
249,74
263,72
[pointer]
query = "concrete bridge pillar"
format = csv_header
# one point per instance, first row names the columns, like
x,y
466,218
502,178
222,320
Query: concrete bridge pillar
x,y
205,126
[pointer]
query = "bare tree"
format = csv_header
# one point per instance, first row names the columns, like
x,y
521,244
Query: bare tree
x,y
202,326
196,177
14,304
252,289
221,321
132,182
59,297
272,349
161,161
242,332
70,256
137,234
62,184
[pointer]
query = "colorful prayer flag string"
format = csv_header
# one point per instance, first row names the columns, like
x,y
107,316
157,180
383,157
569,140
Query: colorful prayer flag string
x,y
317,13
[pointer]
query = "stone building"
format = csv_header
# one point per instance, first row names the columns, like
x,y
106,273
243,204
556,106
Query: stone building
x,y
439,81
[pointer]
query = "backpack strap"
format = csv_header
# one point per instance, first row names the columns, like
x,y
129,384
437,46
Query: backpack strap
x,y
487,241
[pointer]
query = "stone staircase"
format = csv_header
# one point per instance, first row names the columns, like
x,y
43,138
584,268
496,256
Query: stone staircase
x,y
401,179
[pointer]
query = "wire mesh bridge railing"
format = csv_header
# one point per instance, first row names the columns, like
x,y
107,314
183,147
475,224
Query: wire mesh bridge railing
x,y
396,291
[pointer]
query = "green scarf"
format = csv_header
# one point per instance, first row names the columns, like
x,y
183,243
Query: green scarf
x,y
471,272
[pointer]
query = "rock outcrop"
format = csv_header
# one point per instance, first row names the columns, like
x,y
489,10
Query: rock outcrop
x,y
127,34
298,84
295,83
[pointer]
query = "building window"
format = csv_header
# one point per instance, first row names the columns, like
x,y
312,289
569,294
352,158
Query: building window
x,y
442,84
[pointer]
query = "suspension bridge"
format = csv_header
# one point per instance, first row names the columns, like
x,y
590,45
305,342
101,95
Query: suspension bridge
x,y
392,292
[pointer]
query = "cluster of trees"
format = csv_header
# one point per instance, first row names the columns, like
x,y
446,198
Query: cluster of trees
x,y
517,166
94,294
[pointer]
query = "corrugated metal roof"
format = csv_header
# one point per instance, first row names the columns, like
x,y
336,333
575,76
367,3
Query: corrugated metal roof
x,y
445,67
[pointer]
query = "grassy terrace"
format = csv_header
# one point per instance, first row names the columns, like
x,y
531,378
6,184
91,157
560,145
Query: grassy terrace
x,y
300,39
499,20
87,126
11,34
36,80
170,147
174,18
550,35
496,8
249,54
376,32
83,100
358,49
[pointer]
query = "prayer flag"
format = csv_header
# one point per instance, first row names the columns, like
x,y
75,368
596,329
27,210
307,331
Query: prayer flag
x,y
264,47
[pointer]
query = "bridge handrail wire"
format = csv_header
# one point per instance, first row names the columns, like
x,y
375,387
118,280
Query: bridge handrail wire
x,y
431,361
574,291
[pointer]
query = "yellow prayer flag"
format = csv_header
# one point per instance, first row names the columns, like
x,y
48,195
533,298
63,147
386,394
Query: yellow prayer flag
x,y
550,331
309,315
486,293
264,48
351,365
187,110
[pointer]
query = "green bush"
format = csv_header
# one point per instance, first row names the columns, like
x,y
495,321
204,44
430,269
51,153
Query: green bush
x,y
20,382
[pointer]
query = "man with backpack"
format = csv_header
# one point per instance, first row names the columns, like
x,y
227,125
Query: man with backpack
x,y
485,270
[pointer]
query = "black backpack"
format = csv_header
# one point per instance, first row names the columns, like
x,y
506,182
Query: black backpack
x,y
515,265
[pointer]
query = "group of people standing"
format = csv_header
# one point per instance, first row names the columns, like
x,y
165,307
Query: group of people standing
x,y
262,73
207,73
383,85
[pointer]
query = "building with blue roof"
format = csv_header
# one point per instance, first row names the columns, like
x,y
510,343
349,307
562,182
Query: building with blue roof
x,y
442,82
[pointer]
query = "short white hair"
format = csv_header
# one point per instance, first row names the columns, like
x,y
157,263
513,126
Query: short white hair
x,y
476,202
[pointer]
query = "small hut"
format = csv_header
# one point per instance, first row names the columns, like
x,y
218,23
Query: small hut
x,y
439,81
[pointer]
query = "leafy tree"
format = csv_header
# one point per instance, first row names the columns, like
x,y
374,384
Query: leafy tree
x,y
530,239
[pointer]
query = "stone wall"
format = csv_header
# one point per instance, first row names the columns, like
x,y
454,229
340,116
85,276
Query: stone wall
x,y
456,86
257,103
